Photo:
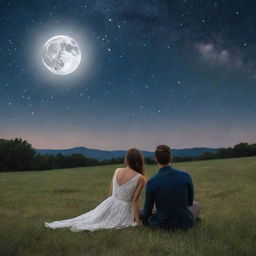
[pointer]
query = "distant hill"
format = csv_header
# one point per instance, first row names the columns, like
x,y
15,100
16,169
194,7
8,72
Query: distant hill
x,y
106,155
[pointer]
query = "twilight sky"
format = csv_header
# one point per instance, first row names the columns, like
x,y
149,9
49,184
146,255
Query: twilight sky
x,y
181,73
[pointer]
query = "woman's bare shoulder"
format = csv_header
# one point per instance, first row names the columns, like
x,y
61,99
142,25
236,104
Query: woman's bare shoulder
x,y
119,169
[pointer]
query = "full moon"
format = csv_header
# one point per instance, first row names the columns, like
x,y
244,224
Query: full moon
x,y
61,55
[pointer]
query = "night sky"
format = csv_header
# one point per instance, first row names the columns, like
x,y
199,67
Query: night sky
x,y
181,73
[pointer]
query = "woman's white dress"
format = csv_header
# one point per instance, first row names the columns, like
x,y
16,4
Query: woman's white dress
x,y
113,213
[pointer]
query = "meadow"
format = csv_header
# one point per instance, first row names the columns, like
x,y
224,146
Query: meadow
x,y
226,189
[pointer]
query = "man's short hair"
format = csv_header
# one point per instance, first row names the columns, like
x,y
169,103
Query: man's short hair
x,y
163,154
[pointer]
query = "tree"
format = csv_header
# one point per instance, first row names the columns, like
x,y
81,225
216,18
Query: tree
x,y
207,155
149,160
225,153
242,149
253,149
16,155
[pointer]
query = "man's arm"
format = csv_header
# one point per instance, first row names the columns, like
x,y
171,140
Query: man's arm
x,y
148,205
190,191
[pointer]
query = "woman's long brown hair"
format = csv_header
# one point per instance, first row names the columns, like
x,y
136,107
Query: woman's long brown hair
x,y
134,160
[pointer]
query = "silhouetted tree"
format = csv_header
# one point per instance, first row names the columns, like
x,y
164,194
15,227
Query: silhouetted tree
x,y
207,155
225,153
16,155
242,149
149,160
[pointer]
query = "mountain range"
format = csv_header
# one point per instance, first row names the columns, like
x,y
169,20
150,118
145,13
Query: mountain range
x,y
106,155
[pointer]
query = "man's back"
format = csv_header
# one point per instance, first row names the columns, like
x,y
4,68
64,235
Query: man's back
x,y
172,192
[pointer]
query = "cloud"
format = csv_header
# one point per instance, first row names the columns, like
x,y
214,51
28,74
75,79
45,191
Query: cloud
x,y
217,55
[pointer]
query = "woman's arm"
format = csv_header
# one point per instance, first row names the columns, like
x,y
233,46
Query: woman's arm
x,y
111,184
110,188
135,200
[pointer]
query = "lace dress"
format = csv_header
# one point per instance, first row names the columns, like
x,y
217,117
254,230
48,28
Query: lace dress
x,y
113,213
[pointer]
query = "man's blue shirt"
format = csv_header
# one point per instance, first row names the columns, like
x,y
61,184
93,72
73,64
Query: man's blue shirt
x,y
171,191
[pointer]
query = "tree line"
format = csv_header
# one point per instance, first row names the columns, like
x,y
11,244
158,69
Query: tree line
x,y
19,155
239,150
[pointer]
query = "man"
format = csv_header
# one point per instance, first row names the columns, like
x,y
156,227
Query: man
x,y
172,192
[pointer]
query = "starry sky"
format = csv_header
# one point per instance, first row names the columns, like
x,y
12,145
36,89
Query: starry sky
x,y
181,73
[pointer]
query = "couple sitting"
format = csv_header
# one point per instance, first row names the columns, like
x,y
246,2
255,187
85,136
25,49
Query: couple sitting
x,y
169,199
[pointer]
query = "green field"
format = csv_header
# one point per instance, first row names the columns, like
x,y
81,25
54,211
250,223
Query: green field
x,y
225,188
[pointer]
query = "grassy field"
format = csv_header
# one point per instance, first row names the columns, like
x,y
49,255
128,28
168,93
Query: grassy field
x,y
225,188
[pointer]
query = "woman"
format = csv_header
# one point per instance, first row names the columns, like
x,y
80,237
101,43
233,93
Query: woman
x,y
121,208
